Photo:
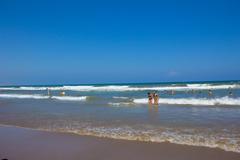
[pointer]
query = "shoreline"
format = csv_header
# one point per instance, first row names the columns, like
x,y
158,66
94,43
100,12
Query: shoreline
x,y
112,138
28,144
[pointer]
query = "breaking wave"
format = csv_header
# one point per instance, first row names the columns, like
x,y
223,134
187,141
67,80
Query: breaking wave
x,y
38,96
120,103
194,101
116,97
176,101
129,88
24,96
69,98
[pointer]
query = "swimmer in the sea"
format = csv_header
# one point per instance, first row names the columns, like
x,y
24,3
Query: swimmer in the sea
x,y
210,93
62,93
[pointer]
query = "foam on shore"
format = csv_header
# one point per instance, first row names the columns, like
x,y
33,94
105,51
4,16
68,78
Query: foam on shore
x,y
192,137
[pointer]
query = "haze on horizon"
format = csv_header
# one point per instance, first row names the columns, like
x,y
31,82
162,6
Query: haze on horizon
x,y
69,42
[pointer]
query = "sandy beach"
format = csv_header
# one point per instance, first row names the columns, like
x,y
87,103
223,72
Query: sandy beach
x,y
120,80
20,143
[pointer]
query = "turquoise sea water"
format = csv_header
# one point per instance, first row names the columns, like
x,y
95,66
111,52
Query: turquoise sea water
x,y
187,113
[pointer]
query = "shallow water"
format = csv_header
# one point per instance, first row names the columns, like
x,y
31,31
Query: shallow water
x,y
190,116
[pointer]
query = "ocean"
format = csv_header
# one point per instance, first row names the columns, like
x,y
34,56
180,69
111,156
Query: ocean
x,y
190,113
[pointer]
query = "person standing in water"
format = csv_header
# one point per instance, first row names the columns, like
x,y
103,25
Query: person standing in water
x,y
150,98
210,93
48,92
62,93
155,98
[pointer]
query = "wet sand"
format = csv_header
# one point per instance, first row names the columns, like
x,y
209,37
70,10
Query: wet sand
x,y
26,144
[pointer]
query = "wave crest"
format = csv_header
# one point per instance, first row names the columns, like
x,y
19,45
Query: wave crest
x,y
193,101
38,96
130,88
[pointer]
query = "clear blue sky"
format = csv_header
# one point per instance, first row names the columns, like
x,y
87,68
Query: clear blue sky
x,y
47,42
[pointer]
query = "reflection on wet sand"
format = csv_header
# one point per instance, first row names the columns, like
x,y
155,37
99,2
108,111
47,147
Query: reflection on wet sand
x,y
153,112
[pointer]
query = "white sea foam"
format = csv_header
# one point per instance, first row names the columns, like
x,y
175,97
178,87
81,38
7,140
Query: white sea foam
x,y
132,88
129,88
69,98
96,88
38,96
32,88
10,88
178,101
198,85
193,137
120,103
23,96
194,101
209,86
116,97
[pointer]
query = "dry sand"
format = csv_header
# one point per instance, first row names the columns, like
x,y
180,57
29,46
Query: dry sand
x,y
26,144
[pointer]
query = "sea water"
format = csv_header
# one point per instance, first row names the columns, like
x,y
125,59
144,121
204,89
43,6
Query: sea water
x,y
190,113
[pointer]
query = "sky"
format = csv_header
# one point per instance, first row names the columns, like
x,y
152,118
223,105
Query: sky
x,y
74,42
